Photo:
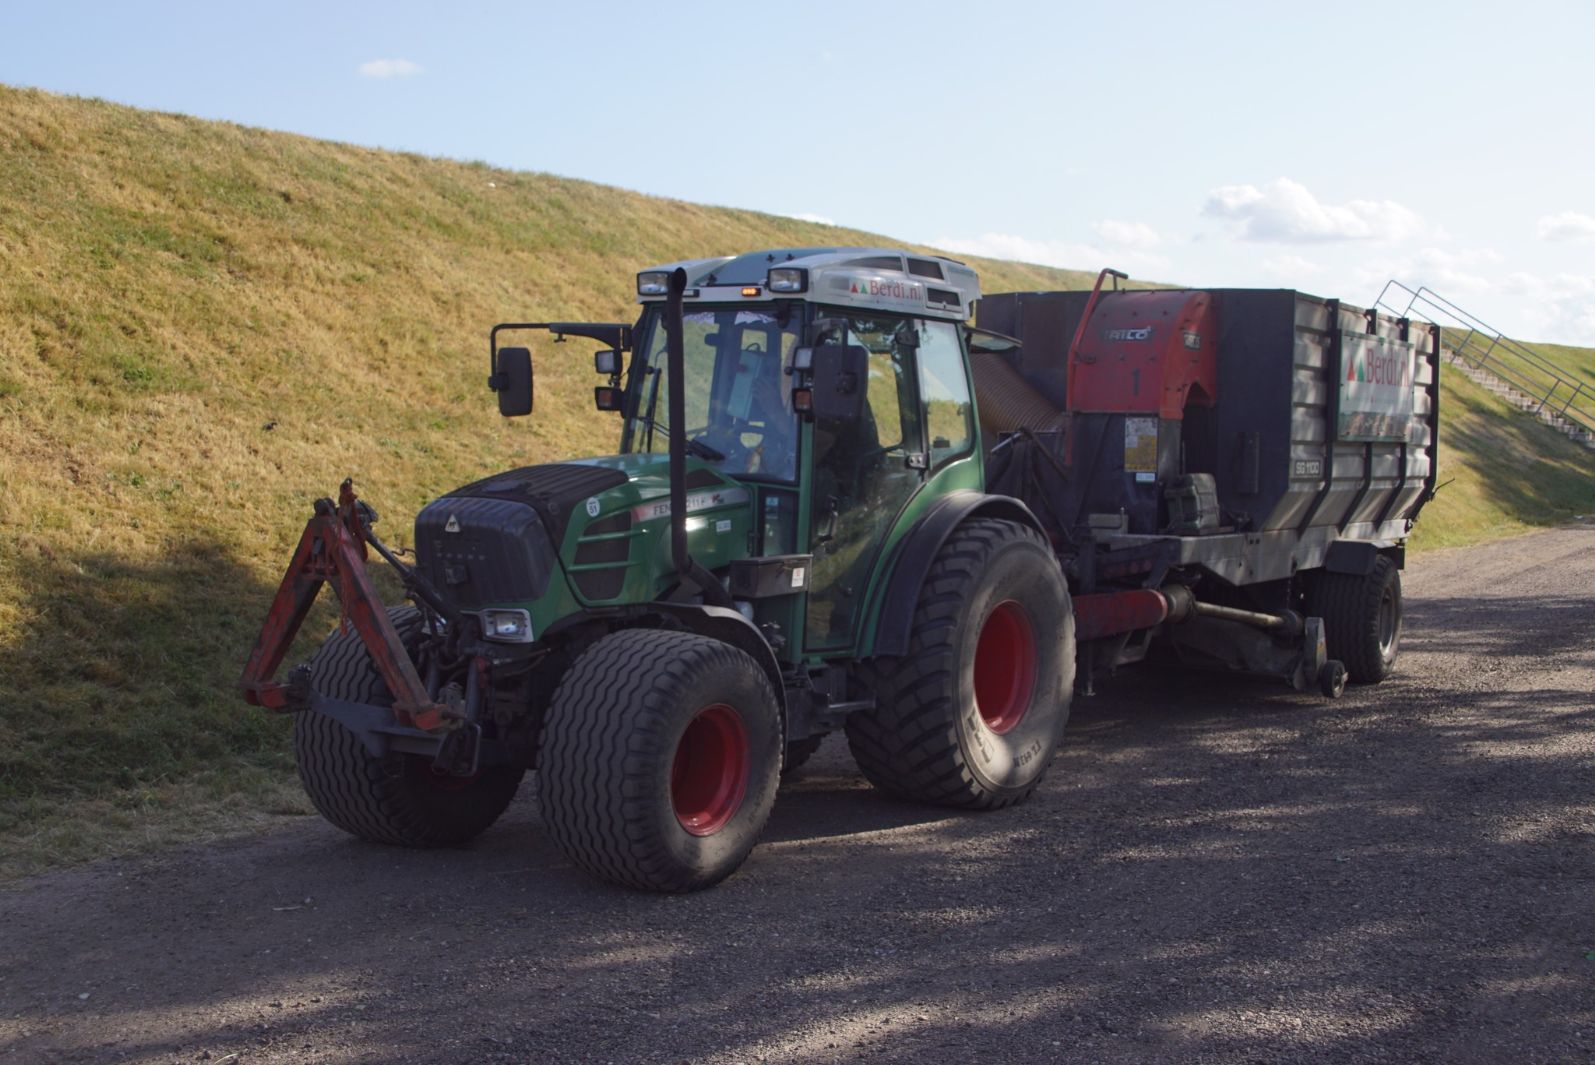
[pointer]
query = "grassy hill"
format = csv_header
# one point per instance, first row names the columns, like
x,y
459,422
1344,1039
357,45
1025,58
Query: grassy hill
x,y
204,327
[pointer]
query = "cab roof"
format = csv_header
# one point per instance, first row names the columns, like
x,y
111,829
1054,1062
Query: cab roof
x,y
879,278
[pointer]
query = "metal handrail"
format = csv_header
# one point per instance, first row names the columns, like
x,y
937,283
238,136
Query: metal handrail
x,y
1515,363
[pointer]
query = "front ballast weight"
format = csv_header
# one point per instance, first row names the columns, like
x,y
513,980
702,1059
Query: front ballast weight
x,y
333,551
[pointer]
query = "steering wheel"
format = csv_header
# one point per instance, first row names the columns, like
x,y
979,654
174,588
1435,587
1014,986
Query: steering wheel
x,y
730,448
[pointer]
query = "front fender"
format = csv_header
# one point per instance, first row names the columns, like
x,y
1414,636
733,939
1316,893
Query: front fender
x,y
912,559
728,626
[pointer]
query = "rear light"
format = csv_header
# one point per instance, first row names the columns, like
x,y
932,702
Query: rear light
x,y
606,397
802,400
653,283
788,279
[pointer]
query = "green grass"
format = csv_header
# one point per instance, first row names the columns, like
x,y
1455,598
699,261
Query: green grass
x,y
204,327
1562,376
1507,472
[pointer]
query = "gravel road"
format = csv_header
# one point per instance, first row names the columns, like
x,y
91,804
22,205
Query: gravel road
x,y
1214,870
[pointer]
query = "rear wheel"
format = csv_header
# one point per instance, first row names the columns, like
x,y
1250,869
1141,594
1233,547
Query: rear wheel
x,y
799,752
972,714
1362,619
396,798
659,761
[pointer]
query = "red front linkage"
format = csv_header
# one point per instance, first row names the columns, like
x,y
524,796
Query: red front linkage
x,y
333,550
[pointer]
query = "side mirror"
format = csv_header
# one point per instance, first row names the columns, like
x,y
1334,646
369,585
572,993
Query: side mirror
x,y
512,380
838,381
607,362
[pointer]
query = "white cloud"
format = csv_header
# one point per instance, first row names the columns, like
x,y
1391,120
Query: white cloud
x,y
816,218
1444,271
1061,253
1569,225
1286,212
1459,276
389,68
1559,308
1127,234
1562,309
1289,266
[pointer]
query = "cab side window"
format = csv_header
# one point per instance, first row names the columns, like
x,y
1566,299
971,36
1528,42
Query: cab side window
x,y
862,478
944,388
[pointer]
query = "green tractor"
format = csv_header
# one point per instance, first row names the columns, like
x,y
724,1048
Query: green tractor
x,y
794,537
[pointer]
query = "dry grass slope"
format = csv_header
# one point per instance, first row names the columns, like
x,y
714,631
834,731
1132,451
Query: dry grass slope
x,y
202,328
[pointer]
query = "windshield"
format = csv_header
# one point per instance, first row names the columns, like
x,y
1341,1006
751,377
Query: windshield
x,y
738,395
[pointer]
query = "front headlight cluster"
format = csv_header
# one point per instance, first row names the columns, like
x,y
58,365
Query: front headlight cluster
x,y
507,626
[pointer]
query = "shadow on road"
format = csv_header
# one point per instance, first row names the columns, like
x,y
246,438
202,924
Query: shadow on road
x,y
1215,869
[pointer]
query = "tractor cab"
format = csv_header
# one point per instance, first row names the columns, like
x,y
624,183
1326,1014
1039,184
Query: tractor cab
x,y
834,383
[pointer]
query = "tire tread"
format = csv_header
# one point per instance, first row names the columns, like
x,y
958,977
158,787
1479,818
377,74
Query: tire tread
x,y
909,746
1349,605
605,732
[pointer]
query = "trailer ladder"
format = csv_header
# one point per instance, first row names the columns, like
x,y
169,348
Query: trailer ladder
x,y
1511,369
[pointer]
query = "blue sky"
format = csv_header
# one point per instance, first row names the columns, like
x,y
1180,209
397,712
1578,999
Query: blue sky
x,y
1327,147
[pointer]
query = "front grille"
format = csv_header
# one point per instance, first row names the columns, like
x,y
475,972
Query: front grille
x,y
481,550
608,557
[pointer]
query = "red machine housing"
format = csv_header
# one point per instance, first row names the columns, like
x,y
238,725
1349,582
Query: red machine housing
x,y
1145,352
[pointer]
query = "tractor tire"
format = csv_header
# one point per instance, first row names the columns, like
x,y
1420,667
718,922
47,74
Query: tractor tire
x,y
397,798
797,753
660,758
972,714
1362,619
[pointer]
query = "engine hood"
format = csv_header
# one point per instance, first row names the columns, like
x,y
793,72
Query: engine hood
x,y
604,520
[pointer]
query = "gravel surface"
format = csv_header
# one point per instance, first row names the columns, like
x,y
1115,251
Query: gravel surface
x,y
1214,870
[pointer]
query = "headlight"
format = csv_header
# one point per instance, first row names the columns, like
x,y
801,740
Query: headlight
x,y
788,279
507,626
653,283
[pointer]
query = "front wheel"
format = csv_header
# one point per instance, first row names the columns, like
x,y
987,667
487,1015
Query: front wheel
x,y
972,714
660,757
396,798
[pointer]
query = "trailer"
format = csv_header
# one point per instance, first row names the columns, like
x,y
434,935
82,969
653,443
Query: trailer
x,y
836,505
1230,474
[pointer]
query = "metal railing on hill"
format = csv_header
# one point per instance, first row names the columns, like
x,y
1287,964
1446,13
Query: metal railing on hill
x,y
1552,392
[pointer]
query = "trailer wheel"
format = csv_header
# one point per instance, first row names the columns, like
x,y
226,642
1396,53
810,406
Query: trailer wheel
x,y
395,799
660,758
1362,619
972,714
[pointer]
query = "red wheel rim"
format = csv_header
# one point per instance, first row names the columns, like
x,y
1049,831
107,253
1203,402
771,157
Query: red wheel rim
x,y
709,775
1005,666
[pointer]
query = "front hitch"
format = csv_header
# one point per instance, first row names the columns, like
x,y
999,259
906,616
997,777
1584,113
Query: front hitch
x,y
332,550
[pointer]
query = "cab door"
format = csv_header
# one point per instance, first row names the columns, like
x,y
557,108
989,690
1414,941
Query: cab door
x,y
864,473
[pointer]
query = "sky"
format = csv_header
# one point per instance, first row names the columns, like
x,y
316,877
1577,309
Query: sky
x,y
1324,147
